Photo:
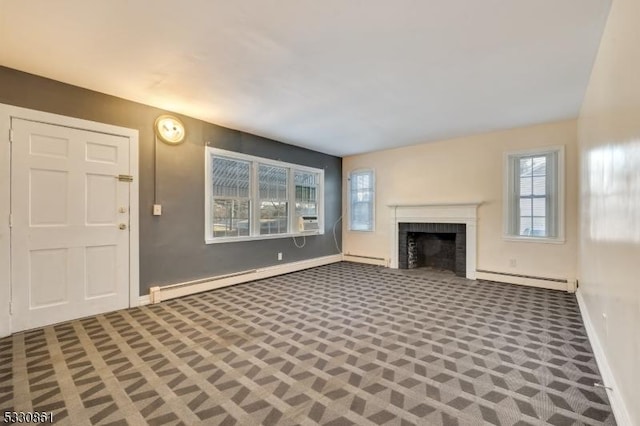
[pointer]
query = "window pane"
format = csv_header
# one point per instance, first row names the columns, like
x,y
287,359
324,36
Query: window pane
x,y
539,227
272,183
361,216
539,166
540,207
525,167
525,186
306,209
306,185
273,217
230,218
525,225
525,206
539,185
272,188
230,177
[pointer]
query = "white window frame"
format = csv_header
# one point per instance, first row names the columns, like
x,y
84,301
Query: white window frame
x,y
254,217
511,201
373,199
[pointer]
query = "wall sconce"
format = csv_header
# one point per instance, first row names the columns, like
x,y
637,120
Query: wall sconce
x,y
169,129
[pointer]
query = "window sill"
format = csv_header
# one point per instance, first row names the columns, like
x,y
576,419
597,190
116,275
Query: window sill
x,y
219,240
541,240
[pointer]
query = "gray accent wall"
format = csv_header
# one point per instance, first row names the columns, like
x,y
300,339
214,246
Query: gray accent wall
x,y
172,247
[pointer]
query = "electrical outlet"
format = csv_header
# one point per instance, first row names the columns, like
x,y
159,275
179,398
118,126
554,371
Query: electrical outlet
x,y
280,256
157,209
513,263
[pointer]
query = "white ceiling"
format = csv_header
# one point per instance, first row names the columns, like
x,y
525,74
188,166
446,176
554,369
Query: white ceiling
x,y
341,77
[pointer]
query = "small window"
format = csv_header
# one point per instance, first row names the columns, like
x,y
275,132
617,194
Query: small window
x,y
534,195
361,200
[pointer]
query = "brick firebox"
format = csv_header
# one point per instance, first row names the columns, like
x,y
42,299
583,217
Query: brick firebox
x,y
439,245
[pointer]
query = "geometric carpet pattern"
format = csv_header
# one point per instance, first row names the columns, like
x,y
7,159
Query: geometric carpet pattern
x,y
342,344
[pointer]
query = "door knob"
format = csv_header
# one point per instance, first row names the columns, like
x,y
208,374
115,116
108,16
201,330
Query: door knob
x,y
123,226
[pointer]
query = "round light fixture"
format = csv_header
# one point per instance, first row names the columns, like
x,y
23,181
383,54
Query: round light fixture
x,y
170,129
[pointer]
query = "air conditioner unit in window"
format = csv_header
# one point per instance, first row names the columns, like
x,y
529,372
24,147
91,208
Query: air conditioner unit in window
x,y
308,223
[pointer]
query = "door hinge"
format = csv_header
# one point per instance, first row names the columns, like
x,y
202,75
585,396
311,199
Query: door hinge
x,y
10,135
10,221
125,178
11,307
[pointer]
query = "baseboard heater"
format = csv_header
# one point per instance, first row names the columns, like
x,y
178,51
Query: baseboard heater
x,y
365,259
530,280
558,280
158,294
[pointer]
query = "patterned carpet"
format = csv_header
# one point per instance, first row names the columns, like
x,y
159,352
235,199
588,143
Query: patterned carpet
x,y
343,344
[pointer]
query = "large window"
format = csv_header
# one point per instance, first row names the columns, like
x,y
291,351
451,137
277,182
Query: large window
x,y
534,195
252,198
361,200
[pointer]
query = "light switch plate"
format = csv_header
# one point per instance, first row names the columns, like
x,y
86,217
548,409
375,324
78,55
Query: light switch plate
x,y
157,209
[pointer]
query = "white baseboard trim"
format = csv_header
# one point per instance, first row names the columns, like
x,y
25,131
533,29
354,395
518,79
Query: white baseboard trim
x,y
618,406
144,300
531,282
369,260
158,294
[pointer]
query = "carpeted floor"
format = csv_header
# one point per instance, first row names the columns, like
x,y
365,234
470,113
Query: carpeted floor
x,y
337,345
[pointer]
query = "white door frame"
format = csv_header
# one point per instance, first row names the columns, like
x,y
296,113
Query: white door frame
x,y
6,113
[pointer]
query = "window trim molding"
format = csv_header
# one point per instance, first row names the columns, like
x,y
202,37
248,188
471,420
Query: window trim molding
x,y
373,201
508,178
254,196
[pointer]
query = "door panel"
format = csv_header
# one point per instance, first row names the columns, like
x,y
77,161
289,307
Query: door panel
x,y
48,146
69,257
102,195
48,275
48,193
102,153
101,267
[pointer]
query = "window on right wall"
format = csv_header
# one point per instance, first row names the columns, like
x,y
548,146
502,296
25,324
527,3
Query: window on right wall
x,y
534,195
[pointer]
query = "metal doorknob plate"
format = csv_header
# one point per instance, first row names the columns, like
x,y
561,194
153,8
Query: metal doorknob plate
x,y
122,226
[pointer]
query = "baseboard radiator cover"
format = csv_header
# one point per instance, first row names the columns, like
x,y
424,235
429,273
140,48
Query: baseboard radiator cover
x,y
618,406
158,294
370,260
562,284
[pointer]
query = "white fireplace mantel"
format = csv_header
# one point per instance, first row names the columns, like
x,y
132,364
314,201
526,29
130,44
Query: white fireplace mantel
x,y
463,213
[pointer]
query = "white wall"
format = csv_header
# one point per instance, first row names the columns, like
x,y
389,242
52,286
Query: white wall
x,y
609,248
469,169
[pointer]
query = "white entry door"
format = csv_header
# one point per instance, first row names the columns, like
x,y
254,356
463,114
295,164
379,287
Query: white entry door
x,y
69,223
